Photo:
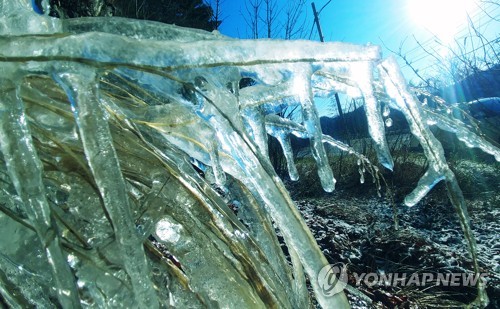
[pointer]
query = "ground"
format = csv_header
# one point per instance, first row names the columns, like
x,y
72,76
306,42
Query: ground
x,y
359,230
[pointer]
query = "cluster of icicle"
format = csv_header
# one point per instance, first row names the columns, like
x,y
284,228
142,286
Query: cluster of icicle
x,y
102,121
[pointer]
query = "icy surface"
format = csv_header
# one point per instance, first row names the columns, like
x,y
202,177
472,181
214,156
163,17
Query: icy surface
x,y
25,170
79,82
103,121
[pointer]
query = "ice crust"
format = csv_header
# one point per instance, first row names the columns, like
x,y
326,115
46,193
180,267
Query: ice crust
x,y
100,121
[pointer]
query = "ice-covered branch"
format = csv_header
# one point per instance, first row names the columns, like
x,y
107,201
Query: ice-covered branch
x,y
142,104
282,128
26,171
438,168
80,84
463,134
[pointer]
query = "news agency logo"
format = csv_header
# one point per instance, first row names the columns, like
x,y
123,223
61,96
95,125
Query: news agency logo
x,y
419,279
332,279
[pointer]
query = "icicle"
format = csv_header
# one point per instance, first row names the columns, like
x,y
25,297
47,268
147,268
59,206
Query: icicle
x,y
410,107
460,129
425,184
253,119
283,137
361,176
284,140
438,168
387,111
25,171
258,175
300,285
302,87
363,75
276,123
80,84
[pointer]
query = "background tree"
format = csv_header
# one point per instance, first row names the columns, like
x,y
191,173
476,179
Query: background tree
x,y
217,11
471,53
269,19
295,19
466,74
252,18
185,13
271,10
79,8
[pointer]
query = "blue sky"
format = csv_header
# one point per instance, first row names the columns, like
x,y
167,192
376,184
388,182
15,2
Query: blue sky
x,y
341,20
379,22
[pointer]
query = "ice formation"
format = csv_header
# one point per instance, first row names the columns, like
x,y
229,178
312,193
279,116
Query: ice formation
x,y
102,120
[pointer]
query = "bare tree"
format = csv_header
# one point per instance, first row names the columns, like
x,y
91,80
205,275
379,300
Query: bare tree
x,y
287,21
186,13
251,18
294,23
217,12
463,73
471,53
271,7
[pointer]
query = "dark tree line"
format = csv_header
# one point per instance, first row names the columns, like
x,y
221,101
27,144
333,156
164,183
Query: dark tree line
x,y
185,13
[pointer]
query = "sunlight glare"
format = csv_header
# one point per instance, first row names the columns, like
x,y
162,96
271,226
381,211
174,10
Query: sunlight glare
x,y
443,18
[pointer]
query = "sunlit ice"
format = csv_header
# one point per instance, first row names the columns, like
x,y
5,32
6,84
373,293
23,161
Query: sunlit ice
x,y
443,18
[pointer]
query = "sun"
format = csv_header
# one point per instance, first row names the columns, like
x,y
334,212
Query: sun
x,y
443,18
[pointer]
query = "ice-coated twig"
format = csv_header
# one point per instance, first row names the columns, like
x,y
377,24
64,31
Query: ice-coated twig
x,y
363,74
259,95
103,49
395,86
456,126
253,119
302,87
25,171
80,84
438,168
282,134
300,286
255,170
282,127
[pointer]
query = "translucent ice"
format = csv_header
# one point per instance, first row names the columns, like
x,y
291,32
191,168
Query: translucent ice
x,y
408,105
438,168
79,82
113,129
282,135
466,136
362,73
25,170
